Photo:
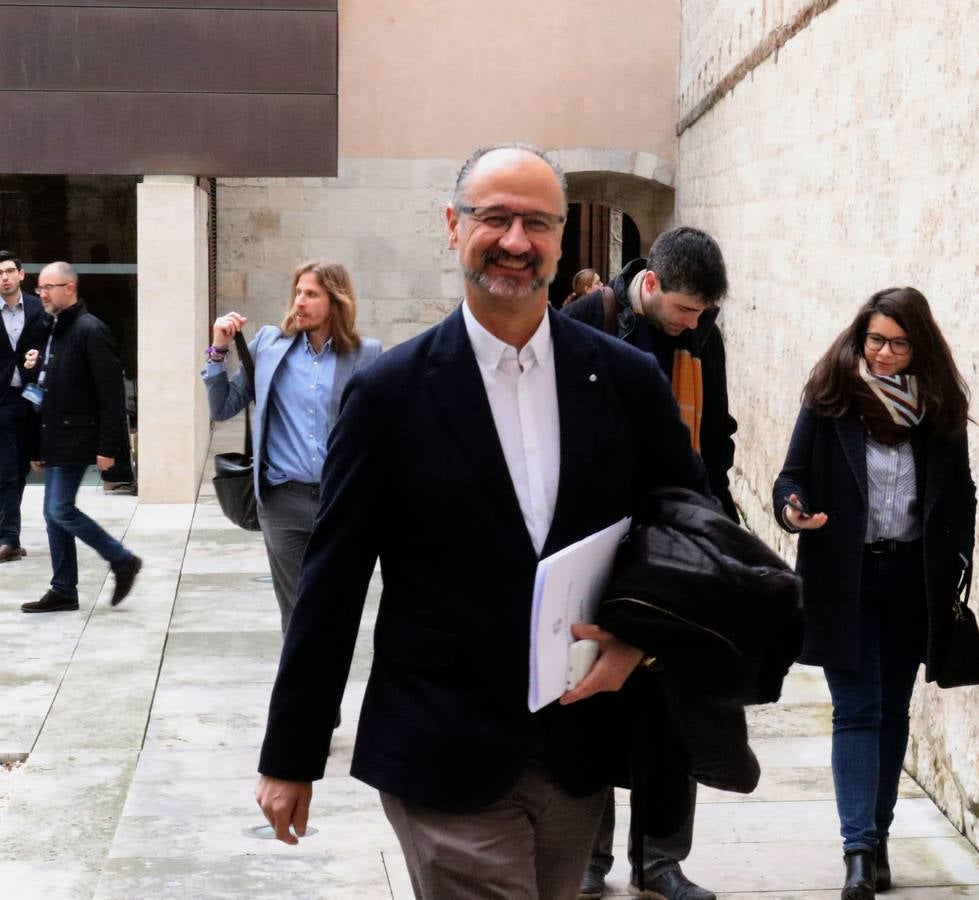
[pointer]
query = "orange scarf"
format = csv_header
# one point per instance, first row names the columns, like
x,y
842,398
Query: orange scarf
x,y
688,388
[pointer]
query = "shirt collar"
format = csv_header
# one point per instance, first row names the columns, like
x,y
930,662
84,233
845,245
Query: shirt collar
x,y
328,346
489,349
18,305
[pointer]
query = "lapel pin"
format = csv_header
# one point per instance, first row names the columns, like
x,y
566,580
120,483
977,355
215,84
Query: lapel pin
x,y
593,377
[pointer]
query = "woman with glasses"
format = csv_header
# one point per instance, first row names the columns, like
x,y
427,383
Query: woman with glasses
x,y
877,481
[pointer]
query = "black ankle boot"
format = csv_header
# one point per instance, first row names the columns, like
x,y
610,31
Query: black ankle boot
x,y
861,875
883,866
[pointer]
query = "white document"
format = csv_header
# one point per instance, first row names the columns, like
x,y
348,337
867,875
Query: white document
x,y
567,589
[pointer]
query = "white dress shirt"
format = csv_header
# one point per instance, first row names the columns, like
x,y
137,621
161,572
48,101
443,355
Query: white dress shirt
x,y
522,393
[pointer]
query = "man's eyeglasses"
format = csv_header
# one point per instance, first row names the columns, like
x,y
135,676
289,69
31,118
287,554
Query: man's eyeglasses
x,y
46,288
899,346
499,218
12,271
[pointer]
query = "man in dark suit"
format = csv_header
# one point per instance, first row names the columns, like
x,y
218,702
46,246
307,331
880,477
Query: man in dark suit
x,y
24,327
460,458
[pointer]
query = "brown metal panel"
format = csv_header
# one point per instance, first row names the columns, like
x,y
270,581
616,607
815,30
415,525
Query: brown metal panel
x,y
79,133
190,50
324,5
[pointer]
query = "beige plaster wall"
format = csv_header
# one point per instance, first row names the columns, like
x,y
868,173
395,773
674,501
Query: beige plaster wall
x,y
847,163
436,79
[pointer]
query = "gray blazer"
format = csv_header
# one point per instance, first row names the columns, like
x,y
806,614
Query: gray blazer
x,y
228,397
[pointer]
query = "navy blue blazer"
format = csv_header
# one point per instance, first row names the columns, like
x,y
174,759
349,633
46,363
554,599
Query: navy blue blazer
x,y
417,477
826,466
34,336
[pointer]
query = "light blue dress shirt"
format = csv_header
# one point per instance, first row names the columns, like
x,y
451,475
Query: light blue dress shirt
x,y
298,424
299,414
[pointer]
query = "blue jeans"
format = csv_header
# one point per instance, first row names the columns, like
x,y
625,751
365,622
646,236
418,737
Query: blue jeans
x,y
65,523
870,703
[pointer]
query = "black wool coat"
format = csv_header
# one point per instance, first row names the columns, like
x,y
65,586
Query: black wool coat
x,y
826,466
84,410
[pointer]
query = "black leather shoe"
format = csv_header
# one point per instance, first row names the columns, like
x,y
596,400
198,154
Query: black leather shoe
x,y
593,884
670,884
50,602
125,576
883,866
861,876
9,553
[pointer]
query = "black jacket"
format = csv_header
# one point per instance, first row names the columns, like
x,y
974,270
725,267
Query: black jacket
x,y
33,337
826,466
84,410
717,425
722,614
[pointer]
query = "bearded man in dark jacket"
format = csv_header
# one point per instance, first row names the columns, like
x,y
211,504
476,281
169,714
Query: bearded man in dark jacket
x,y
667,305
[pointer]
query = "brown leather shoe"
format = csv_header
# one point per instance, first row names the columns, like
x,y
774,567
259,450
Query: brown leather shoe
x,y
50,602
11,554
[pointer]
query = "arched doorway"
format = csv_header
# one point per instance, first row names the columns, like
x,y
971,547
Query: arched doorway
x,y
596,236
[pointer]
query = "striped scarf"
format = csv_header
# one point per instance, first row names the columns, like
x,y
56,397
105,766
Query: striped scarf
x,y
888,405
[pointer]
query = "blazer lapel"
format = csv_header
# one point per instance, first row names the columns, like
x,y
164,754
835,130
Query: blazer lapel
x,y
457,386
341,375
854,442
580,386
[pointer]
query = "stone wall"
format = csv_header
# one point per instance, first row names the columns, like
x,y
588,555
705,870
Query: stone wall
x,y
383,218
843,160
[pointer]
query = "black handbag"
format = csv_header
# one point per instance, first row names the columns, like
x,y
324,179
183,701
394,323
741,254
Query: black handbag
x,y
234,480
960,664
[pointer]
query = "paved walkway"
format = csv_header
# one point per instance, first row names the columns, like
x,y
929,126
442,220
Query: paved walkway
x,y
140,727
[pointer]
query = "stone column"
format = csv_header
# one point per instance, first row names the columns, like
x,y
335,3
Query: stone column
x,y
172,311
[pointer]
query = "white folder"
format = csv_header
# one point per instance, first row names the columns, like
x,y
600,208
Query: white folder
x,y
567,589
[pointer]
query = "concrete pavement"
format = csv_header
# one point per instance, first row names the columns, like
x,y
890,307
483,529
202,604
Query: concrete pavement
x,y
130,738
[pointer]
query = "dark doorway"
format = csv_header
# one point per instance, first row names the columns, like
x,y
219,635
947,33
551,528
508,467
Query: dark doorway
x,y
586,244
89,221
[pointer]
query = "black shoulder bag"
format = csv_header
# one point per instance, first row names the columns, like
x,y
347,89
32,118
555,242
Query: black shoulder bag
x,y
960,664
234,480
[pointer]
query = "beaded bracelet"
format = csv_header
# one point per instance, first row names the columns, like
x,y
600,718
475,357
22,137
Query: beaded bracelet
x,y
216,354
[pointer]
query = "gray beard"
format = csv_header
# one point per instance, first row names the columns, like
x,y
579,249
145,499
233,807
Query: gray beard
x,y
504,286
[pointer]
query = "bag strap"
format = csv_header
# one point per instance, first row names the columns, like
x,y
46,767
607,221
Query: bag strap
x,y
610,320
963,591
248,364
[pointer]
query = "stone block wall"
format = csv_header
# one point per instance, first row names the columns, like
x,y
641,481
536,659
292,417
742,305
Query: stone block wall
x,y
382,218
842,160
385,220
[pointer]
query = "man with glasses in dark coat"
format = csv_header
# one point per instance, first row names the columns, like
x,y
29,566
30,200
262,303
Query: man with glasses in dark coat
x,y
82,402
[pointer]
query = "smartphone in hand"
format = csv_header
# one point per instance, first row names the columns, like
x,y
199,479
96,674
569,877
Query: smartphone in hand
x,y
798,506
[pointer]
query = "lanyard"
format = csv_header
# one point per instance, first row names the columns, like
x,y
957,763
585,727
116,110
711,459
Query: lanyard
x,y
44,364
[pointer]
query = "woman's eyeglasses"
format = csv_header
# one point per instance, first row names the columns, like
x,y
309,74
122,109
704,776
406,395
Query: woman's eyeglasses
x,y
899,346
